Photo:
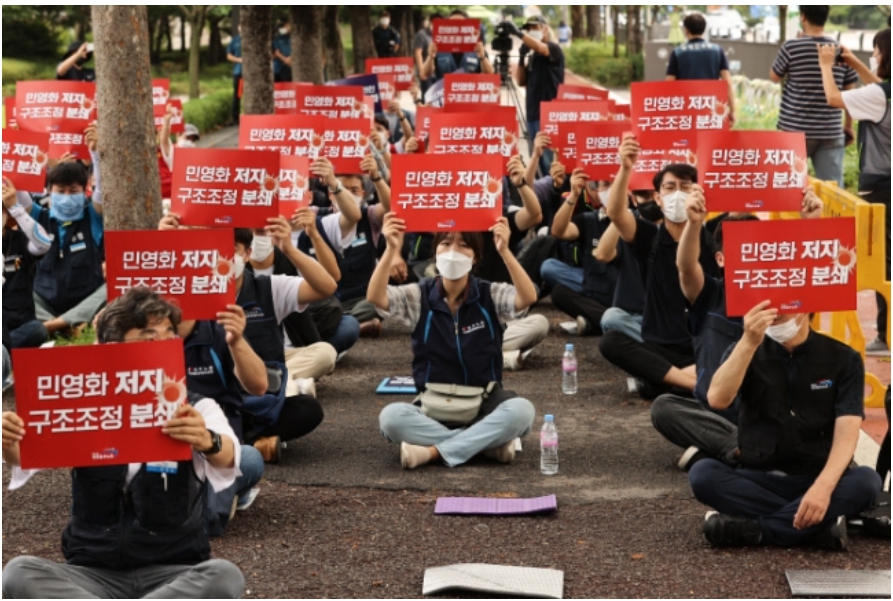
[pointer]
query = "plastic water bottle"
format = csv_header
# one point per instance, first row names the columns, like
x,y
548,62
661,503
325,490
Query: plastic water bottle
x,y
569,370
549,447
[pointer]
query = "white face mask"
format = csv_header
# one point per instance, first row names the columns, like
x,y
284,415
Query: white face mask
x,y
674,206
536,35
261,248
783,332
385,22
283,30
873,64
603,197
453,265
185,143
238,266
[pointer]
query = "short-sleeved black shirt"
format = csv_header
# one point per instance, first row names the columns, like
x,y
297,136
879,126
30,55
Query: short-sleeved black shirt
x,y
492,268
75,74
543,76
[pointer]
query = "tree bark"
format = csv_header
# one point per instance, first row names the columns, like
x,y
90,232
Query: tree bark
x,y
257,58
782,23
401,20
168,34
577,28
593,20
196,18
306,43
183,34
332,43
216,53
615,19
361,32
634,29
127,156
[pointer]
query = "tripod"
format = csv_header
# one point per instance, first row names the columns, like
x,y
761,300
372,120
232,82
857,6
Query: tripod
x,y
508,91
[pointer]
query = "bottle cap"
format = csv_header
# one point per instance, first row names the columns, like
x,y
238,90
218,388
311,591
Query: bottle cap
x,y
568,347
550,418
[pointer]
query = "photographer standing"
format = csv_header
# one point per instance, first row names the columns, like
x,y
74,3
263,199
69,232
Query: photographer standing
x,y
541,73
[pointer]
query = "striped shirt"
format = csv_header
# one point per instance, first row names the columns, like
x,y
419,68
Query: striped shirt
x,y
803,104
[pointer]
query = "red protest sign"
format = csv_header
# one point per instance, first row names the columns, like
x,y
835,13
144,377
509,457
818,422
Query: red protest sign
x,y
469,92
752,171
161,94
9,106
343,141
597,148
423,117
285,96
560,119
571,92
225,188
340,102
799,266
192,268
397,71
178,126
25,157
669,114
456,35
100,405
650,162
294,184
463,194
620,112
494,133
62,108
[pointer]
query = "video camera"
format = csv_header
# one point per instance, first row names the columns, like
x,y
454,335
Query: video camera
x,y
502,42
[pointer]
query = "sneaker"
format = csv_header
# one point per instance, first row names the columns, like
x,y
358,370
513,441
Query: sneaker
x,y
247,499
569,327
412,456
306,386
340,357
833,536
503,454
642,388
690,457
877,347
371,328
232,509
582,326
723,530
512,361
269,448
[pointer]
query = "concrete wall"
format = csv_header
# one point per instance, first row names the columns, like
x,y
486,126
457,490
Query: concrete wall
x,y
745,58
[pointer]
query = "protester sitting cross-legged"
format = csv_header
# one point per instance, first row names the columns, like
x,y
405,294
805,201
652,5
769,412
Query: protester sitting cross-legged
x,y
691,423
801,406
664,362
456,340
109,554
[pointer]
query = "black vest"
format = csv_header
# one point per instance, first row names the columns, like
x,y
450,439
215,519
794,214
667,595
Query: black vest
x,y
72,269
786,419
262,330
462,349
874,150
357,262
717,334
154,519
599,279
18,271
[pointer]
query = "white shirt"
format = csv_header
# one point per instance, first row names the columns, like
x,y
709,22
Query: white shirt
x,y
868,103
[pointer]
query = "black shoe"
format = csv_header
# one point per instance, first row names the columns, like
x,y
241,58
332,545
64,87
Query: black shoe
x,y
690,457
833,536
645,390
724,530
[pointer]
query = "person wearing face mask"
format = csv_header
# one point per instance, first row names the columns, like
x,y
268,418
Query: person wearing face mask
x,y
691,423
282,51
420,43
870,105
801,407
385,37
541,75
664,360
456,339
72,66
439,64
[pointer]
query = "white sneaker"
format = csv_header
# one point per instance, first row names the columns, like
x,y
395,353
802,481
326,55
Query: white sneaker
x,y
340,356
502,454
306,386
582,325
249,499
569,326
511,360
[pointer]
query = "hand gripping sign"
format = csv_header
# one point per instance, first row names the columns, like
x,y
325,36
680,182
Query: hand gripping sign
x,y
225,188
494,133
343,141
561,120
670,114
462,194
752,171
100,405
800,266
470,92
25,157
456,35
178,126
62,108
191,268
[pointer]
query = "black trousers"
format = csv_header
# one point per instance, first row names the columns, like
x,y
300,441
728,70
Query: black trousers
x,y
645,360
300,416
576,305
882,197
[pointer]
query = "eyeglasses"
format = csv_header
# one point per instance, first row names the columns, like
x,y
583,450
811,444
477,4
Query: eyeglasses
x,y
672,187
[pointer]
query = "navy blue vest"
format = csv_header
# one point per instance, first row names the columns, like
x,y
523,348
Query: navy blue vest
x,y
72,269
262,329
599,279
357,262
18,271
462,349
445,63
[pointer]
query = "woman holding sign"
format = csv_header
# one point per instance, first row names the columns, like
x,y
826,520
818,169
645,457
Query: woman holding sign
x,y
457,351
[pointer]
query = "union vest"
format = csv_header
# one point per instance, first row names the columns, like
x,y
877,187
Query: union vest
x,y
18,271
445,63
357,262
786,418
262,329
72,269
462,349
155,519
874,150
599,279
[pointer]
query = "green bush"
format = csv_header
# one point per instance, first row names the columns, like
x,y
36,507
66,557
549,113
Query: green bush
x,y
595,60
29,38
209,112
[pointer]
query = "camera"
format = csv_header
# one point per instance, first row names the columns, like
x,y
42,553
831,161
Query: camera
x,y
502,42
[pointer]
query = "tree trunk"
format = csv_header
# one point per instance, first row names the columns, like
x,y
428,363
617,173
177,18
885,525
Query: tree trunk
x,y
634,38
782,23
577,27
615,19
257,57
593,20
216,53
361,32
196,24
182,34
332,43
306,42
168,34
127,157
401,20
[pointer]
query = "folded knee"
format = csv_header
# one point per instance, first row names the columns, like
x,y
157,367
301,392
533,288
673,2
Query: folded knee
x,y
391,419
225,580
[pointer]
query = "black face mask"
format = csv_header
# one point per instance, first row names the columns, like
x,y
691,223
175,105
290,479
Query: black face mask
x,y
650,211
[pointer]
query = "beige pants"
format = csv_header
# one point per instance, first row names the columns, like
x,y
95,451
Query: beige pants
x,y
314,361
524,334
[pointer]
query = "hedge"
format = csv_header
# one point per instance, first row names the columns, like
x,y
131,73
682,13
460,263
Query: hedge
x,y
596,61
210,111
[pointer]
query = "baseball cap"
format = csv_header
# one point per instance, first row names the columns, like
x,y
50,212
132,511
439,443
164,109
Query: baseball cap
x,y
535,20
190,130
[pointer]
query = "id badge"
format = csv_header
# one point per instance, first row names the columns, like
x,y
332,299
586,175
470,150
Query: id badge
x,y
77,247
358,242
162,467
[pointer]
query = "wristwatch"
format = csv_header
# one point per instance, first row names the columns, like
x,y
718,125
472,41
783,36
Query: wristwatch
x,y
216,444
522,184
376,179
338,189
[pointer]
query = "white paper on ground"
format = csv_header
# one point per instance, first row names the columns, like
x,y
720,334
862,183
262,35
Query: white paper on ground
x,y
839,583
503,580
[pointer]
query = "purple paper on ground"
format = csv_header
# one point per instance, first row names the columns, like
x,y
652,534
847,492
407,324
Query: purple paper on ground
x,y
489,506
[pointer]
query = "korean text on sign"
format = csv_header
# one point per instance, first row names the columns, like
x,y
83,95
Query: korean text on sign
x,y
492,133
25,158
669,114
561,120
597,148
456,35
470,92
62,108
398,71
